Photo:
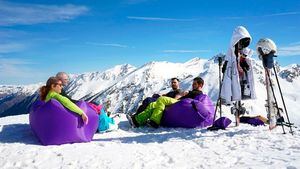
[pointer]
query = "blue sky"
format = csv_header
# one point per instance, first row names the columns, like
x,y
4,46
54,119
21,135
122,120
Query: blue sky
x,y
40,38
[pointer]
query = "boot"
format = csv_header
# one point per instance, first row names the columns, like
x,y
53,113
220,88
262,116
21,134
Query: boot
x,y
132,121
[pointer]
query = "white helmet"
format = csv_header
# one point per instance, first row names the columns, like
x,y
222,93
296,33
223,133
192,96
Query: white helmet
x,y
266,45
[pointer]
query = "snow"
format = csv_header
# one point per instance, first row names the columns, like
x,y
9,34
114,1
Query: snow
x,y
237,147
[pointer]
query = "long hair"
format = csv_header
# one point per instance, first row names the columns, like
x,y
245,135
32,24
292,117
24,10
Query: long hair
x,y
44,90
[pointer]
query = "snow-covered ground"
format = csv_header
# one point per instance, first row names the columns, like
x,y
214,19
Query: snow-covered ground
x,y
237,147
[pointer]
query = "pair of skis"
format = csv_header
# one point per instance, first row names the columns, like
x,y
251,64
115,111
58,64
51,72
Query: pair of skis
x,y
274,112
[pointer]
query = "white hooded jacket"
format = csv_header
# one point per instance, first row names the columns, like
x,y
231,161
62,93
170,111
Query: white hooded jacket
x,y
231,89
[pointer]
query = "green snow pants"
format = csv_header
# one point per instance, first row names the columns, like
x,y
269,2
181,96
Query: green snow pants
x,y
154,110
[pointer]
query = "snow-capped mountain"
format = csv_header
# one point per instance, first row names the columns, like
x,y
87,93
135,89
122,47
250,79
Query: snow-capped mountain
x,y
16,100
21,89
126,86
95,82
153,77
291,72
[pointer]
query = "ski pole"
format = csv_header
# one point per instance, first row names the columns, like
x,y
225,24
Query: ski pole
x,y
220,84
291,130
220,88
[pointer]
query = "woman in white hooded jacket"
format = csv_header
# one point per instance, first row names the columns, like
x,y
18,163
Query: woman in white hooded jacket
x,y
231,86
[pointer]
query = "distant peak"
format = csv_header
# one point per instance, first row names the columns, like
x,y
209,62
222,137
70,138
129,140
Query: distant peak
x,y
196,59
290,72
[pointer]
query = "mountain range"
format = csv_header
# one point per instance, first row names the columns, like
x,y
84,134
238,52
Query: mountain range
x,y
125,86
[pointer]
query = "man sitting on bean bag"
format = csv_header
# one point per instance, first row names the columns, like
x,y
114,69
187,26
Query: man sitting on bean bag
x,y
153,113
173,93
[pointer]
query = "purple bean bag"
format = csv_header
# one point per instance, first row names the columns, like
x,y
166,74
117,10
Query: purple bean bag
x,y
255,121
222,123
53,124
189,113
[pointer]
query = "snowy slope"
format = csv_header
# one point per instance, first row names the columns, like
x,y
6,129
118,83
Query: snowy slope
x,y
96,82
237,147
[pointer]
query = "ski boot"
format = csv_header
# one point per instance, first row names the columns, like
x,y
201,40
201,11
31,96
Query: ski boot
x,y
238,110
131,119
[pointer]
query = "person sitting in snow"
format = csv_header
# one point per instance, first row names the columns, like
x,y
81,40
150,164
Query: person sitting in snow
x,y
52,90
153,113
175,88
63,76
105,122
174,93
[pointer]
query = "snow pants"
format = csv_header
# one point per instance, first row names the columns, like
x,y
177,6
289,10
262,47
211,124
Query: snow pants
x,y
154,110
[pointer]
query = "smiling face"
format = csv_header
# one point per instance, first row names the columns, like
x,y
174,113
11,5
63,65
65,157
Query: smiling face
x,y
57,86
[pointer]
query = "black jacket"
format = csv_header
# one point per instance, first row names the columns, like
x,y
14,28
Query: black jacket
x,y
173,93
192,94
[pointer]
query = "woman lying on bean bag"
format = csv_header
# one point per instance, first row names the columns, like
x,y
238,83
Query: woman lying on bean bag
x,y
56,120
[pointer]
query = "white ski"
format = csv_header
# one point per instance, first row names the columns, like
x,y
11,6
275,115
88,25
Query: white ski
x,y
271,104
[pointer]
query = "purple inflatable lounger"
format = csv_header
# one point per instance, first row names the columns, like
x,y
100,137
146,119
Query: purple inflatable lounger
x,y
53,124
190,113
